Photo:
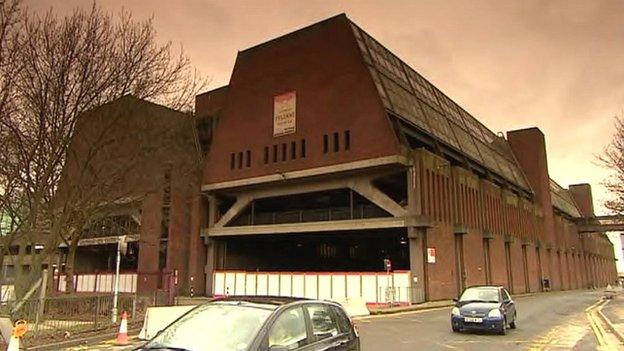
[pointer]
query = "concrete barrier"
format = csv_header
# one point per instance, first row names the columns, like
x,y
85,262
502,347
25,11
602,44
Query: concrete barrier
x,y
157,318
355,306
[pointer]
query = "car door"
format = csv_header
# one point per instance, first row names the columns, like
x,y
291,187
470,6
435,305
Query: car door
x,y
348,329
327,335
288,332
508,305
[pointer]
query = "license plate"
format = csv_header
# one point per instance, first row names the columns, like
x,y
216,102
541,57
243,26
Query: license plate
x,y
473,320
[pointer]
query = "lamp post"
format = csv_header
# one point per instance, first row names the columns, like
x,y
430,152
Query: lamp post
x,y
121,248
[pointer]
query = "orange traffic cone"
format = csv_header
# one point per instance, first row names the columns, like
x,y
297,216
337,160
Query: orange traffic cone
x,y
19,330
14,343
122,336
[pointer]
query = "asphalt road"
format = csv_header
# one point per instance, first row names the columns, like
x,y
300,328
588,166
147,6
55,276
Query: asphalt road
x,y
552,321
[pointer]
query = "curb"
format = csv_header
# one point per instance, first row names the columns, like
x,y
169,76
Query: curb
x,y
78,342
441,304
612,328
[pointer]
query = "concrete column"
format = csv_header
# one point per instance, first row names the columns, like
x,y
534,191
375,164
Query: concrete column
x,y
210,265
417,245
211,246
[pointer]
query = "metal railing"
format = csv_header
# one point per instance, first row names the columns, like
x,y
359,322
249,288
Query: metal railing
x,y
71,314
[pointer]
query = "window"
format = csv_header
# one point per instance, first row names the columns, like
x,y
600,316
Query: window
x,y
248,159
293,150
303,148
343,320
266,155
347,139
232,160
284,152
323,323
325,143
274,153
240,159
336,142
289,330
506,296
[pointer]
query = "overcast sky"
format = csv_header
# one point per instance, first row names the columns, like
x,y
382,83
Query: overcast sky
x,y
557,65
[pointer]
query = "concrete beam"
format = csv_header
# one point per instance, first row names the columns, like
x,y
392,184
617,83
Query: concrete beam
x,y
307,227
239,205
376,196
350,166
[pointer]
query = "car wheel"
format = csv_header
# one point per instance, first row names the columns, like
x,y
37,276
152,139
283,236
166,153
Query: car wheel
x,y
512,325
455,329
503,329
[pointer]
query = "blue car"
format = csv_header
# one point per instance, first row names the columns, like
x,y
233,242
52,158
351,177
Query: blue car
x,y
484,308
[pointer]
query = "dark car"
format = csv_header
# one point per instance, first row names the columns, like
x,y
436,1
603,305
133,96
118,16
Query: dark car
x,y
486,308
260,324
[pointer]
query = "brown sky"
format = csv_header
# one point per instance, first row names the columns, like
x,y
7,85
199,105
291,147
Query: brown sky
x,y
557,65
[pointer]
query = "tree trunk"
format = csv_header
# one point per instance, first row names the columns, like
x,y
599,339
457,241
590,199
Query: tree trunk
x,y
69,267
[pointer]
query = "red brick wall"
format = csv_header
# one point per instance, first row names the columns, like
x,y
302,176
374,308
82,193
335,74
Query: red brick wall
x,y
334,93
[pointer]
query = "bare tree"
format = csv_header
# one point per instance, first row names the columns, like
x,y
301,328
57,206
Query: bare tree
x,y
66,66
612,158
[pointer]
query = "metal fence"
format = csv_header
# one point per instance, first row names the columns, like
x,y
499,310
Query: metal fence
x,y
72,314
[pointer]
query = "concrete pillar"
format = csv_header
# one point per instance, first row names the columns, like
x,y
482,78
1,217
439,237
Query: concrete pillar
x,y
149,244
211,246
417,246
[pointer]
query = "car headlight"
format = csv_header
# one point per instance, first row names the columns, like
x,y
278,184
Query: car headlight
x,y
494,313
455,311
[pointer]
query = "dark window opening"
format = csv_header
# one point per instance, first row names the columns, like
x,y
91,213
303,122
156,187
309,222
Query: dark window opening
x,y
325,143
274,153
293,150
240,159
232,160
266,155
395,186
336,142
331,205
321,252
248,159
347,140
283,152
303,148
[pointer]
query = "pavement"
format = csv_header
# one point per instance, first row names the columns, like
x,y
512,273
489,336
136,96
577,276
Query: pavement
x,y
549,321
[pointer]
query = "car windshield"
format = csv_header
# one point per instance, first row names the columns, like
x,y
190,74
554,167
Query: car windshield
x,y
214,327
481,294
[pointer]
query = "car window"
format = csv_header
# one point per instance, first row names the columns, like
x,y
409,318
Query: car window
x,y
323,324
342,319
506,296
289,330
485,294
233,327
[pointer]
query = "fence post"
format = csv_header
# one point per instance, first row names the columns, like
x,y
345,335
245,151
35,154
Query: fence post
x,y
97,312
134,303
42,295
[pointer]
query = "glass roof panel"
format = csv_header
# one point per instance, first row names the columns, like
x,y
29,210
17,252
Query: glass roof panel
x,y
405,104
467,143
409,95
489,159
440,126
562,200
